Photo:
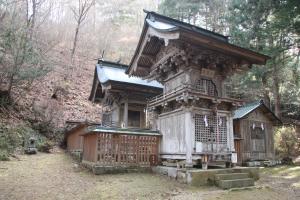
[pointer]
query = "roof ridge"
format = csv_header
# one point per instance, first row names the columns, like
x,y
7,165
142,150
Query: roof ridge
x,y
116,64
252,103
184,23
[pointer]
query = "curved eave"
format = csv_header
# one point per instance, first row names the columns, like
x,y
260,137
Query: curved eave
x,y
95,87
137,86
186,26
161,26
203,37
226,48
150,29
137,50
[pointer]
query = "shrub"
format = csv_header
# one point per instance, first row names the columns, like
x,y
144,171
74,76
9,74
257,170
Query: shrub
x,y
4,155
15,137
287,142
45,146
10,139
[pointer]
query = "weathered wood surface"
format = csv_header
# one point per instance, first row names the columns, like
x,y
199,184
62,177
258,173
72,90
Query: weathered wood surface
x,y
89,147
237,147
254,148
75,140
126,150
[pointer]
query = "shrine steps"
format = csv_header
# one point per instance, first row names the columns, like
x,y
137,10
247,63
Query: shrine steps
x,y
233,180
224,178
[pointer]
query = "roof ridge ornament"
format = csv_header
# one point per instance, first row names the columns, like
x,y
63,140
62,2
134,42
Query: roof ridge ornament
x,y
152,18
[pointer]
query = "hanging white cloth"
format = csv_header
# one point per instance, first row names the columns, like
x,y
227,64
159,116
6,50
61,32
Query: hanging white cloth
x,y
262,126
220,121
253,126
205,121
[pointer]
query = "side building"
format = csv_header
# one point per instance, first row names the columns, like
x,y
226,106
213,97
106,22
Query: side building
x,y
123,98
122,140
254,132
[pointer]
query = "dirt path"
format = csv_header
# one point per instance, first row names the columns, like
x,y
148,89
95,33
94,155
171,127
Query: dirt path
x,y
56,176
285,180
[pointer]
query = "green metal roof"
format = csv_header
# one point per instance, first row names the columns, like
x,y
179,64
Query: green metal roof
x,y
127,131
246,109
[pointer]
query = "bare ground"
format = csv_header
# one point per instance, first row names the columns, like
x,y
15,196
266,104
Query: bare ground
x,y
56,176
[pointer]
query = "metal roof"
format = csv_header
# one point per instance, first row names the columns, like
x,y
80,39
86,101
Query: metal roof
x,y
246,109
107,71
127,131
161,25
162,22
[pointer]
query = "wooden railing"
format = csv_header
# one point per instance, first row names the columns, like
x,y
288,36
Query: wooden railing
x,y
193,88
111,124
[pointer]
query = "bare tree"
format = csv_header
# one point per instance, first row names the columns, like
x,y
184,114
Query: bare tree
x,y
80,14
22,55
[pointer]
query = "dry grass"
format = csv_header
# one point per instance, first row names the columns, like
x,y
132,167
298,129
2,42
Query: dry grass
x,y
288,172
56,176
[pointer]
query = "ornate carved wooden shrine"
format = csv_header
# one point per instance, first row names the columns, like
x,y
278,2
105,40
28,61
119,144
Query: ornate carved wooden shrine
x,y
194,112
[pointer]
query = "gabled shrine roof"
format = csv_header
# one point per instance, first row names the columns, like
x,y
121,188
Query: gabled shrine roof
x,y
245,110
158,30
170,24
109,71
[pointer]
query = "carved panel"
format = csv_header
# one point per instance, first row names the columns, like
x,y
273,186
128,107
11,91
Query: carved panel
x,y
206,86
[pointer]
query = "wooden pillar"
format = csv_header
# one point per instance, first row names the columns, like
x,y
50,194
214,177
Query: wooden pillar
x,y
125,117
230,134
188,137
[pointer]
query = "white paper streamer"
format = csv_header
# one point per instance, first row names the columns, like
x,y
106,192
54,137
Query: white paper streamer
x,y
253,126
205,121
220,121
262,126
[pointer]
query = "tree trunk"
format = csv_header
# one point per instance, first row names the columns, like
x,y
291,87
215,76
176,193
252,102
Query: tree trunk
x,y
277,97
33,16
75,41
10,83
266,99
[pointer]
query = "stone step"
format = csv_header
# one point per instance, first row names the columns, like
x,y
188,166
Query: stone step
x,y
231,176
237,183
226,171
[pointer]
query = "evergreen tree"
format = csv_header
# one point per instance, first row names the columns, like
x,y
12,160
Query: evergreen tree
x,y
209,14
269,27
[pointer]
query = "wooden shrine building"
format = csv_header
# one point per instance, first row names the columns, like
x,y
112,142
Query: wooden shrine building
x,y
172,102
254,132
122,140
123,98
194,113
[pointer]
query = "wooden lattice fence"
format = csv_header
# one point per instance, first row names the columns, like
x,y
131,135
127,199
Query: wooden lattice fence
x,y
126,150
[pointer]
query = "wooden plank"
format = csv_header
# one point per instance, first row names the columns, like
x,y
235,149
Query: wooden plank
x,y
122,150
